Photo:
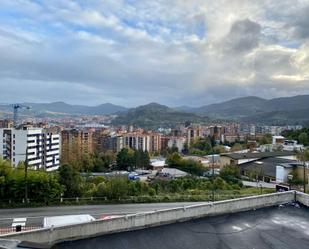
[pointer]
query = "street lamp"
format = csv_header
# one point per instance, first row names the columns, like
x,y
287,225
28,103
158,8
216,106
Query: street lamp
x,y
261,187
302,158
304,165
290,178
26,175
213,174
212,180
26,180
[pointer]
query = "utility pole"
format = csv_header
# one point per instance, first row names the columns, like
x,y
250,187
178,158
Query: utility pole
x,y
25,175
302,157
26,180
213,174
304,165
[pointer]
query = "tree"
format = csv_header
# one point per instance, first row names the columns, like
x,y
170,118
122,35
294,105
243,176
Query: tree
x,y
237,147
71,180
266,139
230,174
219,183
87,163
117,187
203,144
190,166
42,186
303,155
295,180
174,160
125,159
6,172
257,172
101,190
218,149
103,162
185,149
303,138
296,135
230,170
141,159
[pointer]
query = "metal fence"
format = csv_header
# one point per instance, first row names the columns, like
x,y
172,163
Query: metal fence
x,y
16,229
217,195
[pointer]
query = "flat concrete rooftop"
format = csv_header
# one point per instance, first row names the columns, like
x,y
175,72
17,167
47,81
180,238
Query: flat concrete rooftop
x,y
275,227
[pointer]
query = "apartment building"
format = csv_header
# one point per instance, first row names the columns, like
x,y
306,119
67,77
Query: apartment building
x,y
5,123
150,142
164,142
193,133
216,131
155,142
112,143
40,148
137,141
76,143
177,142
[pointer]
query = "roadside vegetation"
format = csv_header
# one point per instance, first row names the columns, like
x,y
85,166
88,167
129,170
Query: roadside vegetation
x,y
67,186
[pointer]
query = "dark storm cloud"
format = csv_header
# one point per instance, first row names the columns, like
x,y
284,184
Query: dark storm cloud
x,y
243,36
301,23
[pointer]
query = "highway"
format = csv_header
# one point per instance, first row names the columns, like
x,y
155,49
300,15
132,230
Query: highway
x,y
35,216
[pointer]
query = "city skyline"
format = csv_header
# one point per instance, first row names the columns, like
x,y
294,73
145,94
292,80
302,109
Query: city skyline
x,y
134,52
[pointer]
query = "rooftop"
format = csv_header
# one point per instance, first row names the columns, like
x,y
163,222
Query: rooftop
x,y
251,155
274,227
266,165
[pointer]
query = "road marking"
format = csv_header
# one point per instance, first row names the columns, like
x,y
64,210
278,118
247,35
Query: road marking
x,y
19,219
19,222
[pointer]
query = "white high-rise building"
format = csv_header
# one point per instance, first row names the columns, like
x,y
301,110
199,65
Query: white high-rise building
x,y
39,147
137,141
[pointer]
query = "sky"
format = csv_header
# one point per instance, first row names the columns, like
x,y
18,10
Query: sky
x,y
131,52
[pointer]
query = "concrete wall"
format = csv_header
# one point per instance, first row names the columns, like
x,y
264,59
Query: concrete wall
x,y
302,198
155,218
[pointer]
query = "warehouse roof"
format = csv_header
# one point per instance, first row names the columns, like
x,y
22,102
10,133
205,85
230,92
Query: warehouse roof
x,y
266,165
253,155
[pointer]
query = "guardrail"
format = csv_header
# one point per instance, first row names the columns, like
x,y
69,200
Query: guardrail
x,y
149,219
8,230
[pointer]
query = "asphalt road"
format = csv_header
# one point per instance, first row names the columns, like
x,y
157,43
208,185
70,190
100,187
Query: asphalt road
x,y
35,216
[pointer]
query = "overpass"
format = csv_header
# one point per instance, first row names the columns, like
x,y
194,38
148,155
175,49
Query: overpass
x,y
141,223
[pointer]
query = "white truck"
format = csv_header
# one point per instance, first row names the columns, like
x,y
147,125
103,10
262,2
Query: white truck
x,y
64,220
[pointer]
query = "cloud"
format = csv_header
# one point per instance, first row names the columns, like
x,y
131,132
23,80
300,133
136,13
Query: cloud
x,y
133,52
243,36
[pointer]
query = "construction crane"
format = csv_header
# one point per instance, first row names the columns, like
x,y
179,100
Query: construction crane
x,y
16,107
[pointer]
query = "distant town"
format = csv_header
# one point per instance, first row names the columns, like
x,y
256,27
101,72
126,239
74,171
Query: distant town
x,y
77,140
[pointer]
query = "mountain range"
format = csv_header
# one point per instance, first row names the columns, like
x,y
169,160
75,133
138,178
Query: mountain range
x,y
282,110
285,110
155,115
61,108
